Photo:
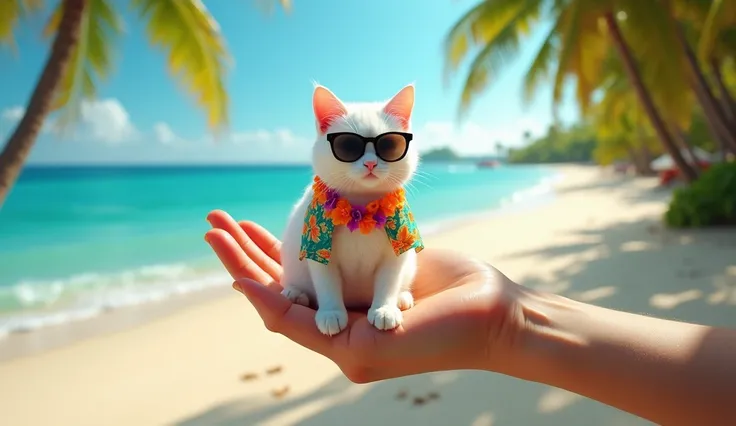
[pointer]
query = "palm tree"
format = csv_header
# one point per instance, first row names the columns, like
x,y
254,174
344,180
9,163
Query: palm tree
x,y
717,44
720,121
84,31
632,70
715,22
577,44
499,148
621,125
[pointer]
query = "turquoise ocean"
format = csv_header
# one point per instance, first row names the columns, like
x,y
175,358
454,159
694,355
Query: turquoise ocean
x,y
78,241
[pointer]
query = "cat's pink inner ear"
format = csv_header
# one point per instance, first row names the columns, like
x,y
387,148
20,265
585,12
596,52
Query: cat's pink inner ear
x,y
326,108
401,105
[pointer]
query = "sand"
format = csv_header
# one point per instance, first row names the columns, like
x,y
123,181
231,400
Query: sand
x,y
212,363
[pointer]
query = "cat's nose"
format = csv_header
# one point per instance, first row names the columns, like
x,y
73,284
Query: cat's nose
x,y
370,165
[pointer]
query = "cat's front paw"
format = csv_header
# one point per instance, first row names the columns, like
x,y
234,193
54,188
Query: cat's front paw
x,y
386,317
331,321
406,300
296,296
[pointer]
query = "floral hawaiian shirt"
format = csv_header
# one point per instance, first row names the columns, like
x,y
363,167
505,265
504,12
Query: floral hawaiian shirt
x,y
316,243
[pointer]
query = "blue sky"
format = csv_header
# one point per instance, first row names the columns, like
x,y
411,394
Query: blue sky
x,y
362,51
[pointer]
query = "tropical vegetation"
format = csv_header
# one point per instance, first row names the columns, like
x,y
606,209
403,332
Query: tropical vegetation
x,y
649,77
84,34
711,200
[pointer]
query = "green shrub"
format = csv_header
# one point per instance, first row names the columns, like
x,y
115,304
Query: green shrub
x,y
709,201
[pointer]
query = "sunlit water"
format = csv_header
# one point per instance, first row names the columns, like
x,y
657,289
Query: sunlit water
x,y
77,241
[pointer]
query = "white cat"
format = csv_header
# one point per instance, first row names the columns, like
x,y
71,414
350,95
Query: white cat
x,y
363,270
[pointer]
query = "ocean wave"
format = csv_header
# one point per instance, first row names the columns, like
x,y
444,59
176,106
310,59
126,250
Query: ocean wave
x,y
37,304
519,199
34,304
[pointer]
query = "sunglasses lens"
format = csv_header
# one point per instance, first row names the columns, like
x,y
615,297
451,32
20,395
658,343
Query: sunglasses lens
x,y
391,147
348,147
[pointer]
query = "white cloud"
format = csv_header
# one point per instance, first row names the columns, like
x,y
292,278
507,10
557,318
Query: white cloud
x,y
13,114
274,138
165,135
474,139
107,121
104,121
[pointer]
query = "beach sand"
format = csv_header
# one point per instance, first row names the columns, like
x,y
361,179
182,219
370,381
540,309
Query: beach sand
x,y
212,362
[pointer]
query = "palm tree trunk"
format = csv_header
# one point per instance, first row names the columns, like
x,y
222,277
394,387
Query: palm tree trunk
x,y
641,167
684,143
713,112
646,158
688,173
729,105
21,141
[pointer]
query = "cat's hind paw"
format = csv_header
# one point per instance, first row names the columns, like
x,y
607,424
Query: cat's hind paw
x,y
331,322
296,296
385,317
406,300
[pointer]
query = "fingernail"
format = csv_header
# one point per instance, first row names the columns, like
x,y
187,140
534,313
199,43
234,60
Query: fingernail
x,y
236,287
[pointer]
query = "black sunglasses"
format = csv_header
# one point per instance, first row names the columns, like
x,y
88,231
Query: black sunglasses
x,y
349,147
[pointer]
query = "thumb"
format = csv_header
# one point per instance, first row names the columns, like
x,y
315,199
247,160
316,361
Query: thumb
x,y
270,305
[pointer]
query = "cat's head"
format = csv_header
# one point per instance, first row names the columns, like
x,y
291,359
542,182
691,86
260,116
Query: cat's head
x,y
369,173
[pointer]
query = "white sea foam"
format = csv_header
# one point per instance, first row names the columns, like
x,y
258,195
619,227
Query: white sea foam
x,y
84,296
522,199
87,295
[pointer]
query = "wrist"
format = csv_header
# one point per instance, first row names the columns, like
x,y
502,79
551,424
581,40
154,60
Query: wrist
x,y
537,335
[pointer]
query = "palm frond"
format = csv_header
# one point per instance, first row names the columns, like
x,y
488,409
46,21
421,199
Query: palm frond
x,y
12,11
652,38
721,17
481,24
91,59
268,6
584,47
196,51
496,26
541,66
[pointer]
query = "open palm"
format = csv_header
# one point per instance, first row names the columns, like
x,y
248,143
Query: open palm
x,y
460,319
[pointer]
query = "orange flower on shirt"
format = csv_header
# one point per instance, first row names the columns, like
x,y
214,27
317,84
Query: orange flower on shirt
x,y
391,202
404,240
340,215
367,224
324,254
313,231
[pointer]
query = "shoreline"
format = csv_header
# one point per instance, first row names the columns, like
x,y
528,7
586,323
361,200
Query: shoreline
x,y
599,240
44,330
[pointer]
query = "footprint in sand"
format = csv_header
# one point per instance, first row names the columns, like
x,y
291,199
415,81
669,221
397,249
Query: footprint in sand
x,y
279,393
418,400
247,377
274,370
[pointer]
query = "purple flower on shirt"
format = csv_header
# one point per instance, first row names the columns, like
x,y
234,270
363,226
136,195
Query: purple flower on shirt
x,y
332,197
380,219
356,216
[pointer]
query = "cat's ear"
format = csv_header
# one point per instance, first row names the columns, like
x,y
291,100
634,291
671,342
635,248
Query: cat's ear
x,y
327,107
401,105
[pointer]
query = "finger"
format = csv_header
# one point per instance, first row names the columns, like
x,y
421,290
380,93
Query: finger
x,y
234,258
220,219
279,315
263,239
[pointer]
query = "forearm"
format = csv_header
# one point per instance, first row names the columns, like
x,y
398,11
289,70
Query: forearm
x,y
668,372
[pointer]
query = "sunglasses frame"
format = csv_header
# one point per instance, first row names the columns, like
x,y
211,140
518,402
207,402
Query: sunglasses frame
x,y
366,140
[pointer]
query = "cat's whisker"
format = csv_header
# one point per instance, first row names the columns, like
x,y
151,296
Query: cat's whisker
x,y
420,179
423,174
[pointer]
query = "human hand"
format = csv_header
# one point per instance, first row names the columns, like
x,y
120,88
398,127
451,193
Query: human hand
x,y
464,316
